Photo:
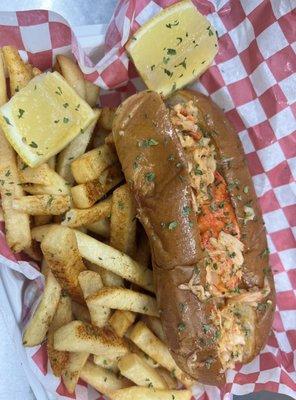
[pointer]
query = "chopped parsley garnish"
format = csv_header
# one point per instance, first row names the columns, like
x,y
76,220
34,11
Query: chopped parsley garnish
x,y
206,328
265,252
214,206
172,225
197,170
174,86
175,23
152,67
77,107
7,173
171,157
246,189
59,91
210,31
24,166
82,130
168,72
181,327
180,40
266,270
232,255
182,64
50,200
203,61
66,120
147,143
120,205
185,211
56,121
34,145
209,361
21,113
171,52
7,120
66,105
150,176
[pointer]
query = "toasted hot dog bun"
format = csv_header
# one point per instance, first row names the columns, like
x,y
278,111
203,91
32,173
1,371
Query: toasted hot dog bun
x,y
210,322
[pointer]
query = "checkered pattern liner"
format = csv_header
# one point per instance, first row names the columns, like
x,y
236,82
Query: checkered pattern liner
x,y
253,79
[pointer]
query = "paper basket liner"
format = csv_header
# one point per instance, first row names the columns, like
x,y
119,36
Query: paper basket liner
x,y
253,79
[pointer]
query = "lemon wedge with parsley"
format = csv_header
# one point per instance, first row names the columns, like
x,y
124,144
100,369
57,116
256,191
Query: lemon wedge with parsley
x,y
173,48
42,118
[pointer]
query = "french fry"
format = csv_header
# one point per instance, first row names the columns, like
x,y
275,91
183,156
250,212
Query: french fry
x,y
141,393
42,220
80,312
108,277
100,378
75,149
57,185
44,268
78,336
1,215
101,227
145,339
52,162
61,253
143,356
72,74
107,117
63,315
72,370
19,75
124,299
29,68
3,91
113,260
39,232
100,137
92,93
109,139
39,175
168,377
17,224
87,194
133,368
77,217
90,283
37,327
36,71
154,324
123,221
34,251
121,320
108,363
42,204
90,165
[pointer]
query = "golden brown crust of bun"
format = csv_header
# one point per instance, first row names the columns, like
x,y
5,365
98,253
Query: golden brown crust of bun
x,y
153,162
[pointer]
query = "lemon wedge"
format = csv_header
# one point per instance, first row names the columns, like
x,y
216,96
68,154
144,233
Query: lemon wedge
x,y
42,118
173,48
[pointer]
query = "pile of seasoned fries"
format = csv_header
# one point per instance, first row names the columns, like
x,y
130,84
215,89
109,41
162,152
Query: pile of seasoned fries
x,y
75,215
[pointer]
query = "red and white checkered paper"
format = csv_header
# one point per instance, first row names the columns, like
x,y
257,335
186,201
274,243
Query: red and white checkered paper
x,y
253,79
